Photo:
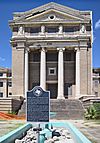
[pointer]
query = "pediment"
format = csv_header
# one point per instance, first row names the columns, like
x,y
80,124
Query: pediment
x,y
44,12
51,15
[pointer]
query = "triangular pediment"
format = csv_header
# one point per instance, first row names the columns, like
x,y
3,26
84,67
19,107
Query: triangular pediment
x,y
44,12
51,15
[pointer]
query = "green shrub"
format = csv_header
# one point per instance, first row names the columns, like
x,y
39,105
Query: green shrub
x,y
93,112
12,112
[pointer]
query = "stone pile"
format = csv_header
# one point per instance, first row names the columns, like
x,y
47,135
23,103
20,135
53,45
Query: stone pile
x,y
30,137
59,135
64,136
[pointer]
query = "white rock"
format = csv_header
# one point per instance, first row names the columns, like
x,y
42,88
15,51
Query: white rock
x,y
18,141
55,138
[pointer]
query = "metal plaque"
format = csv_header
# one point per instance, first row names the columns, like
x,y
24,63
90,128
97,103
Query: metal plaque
x,y
38,105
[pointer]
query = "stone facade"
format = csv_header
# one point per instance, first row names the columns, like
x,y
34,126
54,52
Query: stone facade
x,y
5,82
96,82
52,47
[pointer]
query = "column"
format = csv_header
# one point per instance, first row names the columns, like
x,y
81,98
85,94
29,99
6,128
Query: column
x,y
77,73
26,71
43,69
60,74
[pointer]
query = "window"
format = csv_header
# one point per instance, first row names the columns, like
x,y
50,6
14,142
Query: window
x,y
96,93
35,30
52,71
10,93
15,29
10,84
1,94
52,17
9,74
96,82
1,74
68,29
51,29
1,84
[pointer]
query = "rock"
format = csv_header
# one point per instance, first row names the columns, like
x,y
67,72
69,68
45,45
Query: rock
x,y
55,138
18,141
49,141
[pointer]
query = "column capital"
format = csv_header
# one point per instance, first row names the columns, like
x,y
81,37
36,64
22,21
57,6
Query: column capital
x,y
27,50
43,49
77,49
61,49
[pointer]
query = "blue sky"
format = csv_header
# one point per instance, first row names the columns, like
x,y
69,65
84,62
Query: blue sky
x,y
7,7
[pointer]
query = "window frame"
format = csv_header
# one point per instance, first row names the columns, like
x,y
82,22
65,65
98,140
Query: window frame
x,y
1,84
1,93
49,69
1,74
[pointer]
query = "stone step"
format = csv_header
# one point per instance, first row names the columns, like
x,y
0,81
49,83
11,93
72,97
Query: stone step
x,y
9,105
62,109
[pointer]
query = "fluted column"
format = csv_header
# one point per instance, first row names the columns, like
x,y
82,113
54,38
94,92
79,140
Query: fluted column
x,y
60,74
77,73
26,71
43,69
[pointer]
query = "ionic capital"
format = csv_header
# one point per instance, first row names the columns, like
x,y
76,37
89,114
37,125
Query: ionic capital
x,y
77,49
61,49
27,50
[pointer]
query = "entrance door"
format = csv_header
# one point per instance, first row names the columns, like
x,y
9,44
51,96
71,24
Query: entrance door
x,y
67,89
53,90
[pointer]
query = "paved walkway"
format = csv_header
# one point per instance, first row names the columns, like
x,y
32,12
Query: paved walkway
x,y
88,128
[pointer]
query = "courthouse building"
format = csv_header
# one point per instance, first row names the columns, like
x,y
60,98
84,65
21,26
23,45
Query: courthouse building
x,y
52,47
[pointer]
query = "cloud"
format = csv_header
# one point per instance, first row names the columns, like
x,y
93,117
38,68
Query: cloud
x,y
2,59
94,38
97,24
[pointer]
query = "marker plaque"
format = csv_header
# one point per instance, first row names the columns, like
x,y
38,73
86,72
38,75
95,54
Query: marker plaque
x,y
38,105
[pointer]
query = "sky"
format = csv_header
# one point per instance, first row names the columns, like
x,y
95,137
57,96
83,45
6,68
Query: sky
x,y
7,7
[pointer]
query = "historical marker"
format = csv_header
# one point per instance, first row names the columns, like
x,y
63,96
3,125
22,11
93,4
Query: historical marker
x,y
38,105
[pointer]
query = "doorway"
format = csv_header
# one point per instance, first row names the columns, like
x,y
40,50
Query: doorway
x,y
53,90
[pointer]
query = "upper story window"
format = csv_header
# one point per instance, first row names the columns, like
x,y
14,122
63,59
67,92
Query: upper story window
x,y
9,74
1,74
51,29
68,29
35,30
10,84
1,94
15,29
10,93
96,82
88,28
1,84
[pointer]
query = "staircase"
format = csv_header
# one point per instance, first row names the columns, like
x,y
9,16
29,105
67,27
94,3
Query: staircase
x,y
67,109
9,105
62,109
